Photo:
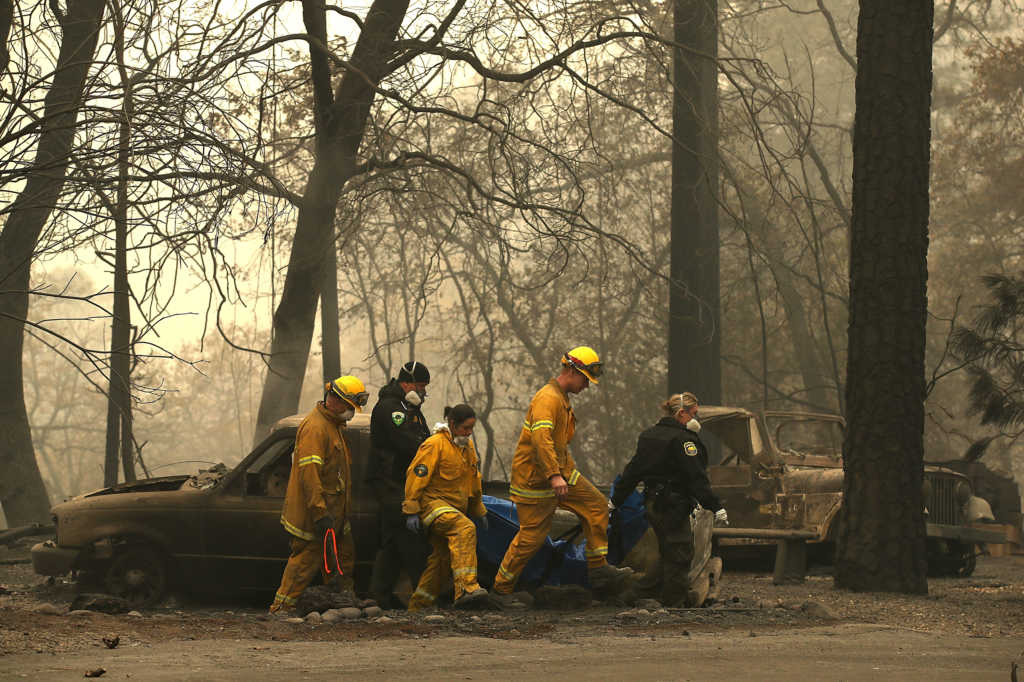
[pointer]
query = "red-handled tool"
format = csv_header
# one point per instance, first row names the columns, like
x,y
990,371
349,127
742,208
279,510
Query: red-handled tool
x,y
334,552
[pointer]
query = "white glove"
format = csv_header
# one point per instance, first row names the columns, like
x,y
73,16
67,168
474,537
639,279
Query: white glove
x,y
721,517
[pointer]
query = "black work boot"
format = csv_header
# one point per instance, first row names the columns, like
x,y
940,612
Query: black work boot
x,y
505,602
609,581
469,599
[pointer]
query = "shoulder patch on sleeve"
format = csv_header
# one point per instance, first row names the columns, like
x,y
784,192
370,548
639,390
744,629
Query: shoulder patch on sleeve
x,y
690,448
420,470
398,417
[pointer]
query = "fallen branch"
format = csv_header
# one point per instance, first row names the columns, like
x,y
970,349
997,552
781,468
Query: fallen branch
x,y
12,534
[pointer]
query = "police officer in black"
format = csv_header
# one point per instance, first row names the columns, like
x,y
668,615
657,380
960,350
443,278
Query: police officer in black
x,y
672,462
397,427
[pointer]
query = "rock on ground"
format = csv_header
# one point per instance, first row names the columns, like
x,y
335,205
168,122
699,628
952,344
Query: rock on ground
x,y
817,610
50,609
562,597
104,603
321,598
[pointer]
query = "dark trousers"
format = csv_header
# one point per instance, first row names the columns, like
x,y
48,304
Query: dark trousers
x,y
400,550
668,580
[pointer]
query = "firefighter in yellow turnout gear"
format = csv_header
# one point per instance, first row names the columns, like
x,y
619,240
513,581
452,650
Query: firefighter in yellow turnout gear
x,y
545,477
442,490
318,491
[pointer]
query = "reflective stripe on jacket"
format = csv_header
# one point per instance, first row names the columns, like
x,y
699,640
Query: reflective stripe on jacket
x,y
319,480
543,447
443,477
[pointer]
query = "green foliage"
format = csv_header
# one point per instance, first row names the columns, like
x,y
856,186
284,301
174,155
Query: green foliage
x,y
993,349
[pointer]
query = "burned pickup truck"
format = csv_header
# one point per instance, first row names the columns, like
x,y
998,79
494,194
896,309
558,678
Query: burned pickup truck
x,y
214,531
781,476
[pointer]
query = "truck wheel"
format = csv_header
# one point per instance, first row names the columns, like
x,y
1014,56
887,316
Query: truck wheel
x,y
950,558
137,575
967,562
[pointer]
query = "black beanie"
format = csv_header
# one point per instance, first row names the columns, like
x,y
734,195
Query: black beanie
x,y
414,373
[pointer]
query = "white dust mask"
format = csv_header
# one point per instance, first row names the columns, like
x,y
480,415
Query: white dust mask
x,y
693,425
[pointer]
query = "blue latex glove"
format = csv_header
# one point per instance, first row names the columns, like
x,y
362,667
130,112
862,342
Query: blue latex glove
x,y
412,522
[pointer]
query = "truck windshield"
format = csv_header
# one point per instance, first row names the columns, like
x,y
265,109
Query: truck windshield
x,y
807,436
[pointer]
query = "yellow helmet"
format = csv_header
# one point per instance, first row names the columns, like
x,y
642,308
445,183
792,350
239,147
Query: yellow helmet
x,y
584,359
350,389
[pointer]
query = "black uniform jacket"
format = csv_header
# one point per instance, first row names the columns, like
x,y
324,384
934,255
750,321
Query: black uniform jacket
x,y
396,431
669,455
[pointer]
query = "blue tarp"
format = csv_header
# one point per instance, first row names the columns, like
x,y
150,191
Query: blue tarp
x,y
559,561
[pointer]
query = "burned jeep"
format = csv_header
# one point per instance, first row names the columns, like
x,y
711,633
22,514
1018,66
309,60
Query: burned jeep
x,y
781,478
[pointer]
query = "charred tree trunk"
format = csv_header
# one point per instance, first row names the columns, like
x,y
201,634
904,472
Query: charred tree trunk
x,y
6,19
330,344
120,449
22,492
805,348
694,334
881,543
340,125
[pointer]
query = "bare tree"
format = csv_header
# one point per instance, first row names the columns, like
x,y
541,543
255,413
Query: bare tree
x,y
22,493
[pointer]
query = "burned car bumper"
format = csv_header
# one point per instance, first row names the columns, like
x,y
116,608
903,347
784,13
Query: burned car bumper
x,y
963,534
49,559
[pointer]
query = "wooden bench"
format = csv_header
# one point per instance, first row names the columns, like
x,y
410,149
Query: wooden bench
x,y
790,549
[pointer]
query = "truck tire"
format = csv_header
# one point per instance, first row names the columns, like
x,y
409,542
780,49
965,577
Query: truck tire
x,y
137,574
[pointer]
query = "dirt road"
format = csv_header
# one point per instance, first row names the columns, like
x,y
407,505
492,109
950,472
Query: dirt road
x,y
840,652
964,629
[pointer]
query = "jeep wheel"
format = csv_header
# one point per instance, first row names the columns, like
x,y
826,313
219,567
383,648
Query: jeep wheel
x,y
967,564
137,575
949,558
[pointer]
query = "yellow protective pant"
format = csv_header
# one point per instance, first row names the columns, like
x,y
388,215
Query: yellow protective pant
x,y
535,518
306,560
453,538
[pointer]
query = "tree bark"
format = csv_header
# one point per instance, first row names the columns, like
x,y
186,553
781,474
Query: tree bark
x,y
330,342
881,542
805,348
340,126
119,447
694,337
22,492
6,19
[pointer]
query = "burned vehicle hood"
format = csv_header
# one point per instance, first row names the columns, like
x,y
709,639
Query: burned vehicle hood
x,y
144,486
204,480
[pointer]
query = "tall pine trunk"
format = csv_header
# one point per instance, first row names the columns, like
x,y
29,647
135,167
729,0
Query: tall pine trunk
x,y
881,543
694,331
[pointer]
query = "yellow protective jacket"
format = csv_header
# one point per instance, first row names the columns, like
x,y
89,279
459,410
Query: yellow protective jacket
x,y
441,478
543,448
321,471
